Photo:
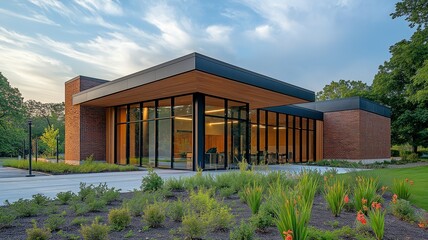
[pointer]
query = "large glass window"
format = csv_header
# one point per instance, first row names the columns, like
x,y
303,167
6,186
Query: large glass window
x,y
148,154
134,143
121,143
183,137
164,143
253,139
214,156
271,149
282,138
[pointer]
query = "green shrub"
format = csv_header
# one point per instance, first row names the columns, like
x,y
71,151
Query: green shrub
x,y
226,192
79,221
335,194
95,231
65,197
151,182
55,221
119,218
220,219
244,231
174,184
85,191
403,210
36,233
193,226
345,232
139,201
176,210
253,197
24,208
41,199
202,201
96,205
262,220
79,208
154,215
68,236
6,217
129,234
402,188
377,220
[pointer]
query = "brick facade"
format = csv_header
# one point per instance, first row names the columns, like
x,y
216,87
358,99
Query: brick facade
x,y
356,134
85,129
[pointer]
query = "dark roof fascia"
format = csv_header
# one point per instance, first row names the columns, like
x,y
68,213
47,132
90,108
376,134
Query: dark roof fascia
x,y
88,78
352,103
297,111
193,61
225,70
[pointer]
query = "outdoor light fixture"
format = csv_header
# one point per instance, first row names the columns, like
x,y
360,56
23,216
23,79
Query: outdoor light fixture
x,y
29,150
183,118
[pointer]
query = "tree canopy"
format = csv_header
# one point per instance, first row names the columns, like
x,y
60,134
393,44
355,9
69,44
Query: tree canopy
x,y
343,89
415,11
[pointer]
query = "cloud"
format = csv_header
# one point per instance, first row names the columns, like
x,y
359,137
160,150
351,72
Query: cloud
x,y
35,18
218,34
53,5
104,6
263,32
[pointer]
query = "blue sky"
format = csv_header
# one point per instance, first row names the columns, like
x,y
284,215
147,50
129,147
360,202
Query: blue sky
x,y
308,43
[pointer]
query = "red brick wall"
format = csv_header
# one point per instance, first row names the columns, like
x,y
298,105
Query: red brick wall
x,y
84,126
356,134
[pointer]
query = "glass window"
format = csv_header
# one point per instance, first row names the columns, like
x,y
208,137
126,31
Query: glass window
x,y
148,153
183,105
304,146
121,143
282,138
236,110
253,133
290,155
183,143
214,106
253,116
214,143
121,114
236,142
311,146
271,157
149,110
164,143
164,108
134,143
134,112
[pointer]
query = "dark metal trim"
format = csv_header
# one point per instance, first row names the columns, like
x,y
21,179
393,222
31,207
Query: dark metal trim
x,y
226,153
115,135
300,139
141,136
294,139
286,137
171,114
247,134
156,134
258,137
277,137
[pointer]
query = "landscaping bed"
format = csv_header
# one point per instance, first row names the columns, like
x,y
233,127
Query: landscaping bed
x,y
223,206
63,168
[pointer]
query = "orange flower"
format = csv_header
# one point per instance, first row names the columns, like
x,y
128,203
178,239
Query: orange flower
x,y
378,206
394,198
288,235
361,218
411,182
363,201
346,199
365,208
421,225
374,204
407,180
384,188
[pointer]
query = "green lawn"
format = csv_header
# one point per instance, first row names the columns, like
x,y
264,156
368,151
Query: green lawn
x,y
419,175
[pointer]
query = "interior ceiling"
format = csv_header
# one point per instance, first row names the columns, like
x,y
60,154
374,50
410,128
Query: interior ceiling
x,y
197,81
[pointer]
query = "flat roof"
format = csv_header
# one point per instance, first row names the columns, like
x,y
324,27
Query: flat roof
x,y
297,111
193,61
352,103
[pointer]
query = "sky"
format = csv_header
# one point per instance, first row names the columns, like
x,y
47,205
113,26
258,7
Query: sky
x,y
44,43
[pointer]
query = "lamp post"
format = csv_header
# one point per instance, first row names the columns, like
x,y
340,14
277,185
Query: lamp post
x,y
57,140
29,152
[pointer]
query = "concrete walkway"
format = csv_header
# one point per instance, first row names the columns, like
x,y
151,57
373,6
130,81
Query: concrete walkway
x,y
13,188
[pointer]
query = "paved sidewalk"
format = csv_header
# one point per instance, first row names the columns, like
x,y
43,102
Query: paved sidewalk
x,y
13,188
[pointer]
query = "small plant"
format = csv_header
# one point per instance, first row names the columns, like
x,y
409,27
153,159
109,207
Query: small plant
x,y
55,222
226,192
65,197
79,221
220,219
138,202
403,210
402,188
336,197
41,199
262,220
24,208
6,217
129,234
96,205
377,220
90,158
151,182
365,193
154,215
95,231
202,201
119,218
176,210
174,184
253,197
68,236
193,226
36,233
244,231
243,166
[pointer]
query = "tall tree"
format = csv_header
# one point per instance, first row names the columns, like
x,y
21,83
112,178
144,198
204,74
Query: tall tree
x,y
401,82
49,138
12,114
343,89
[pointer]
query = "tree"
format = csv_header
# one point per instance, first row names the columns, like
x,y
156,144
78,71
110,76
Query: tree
x,y
416,12
402,83
49,138
12,114
343,89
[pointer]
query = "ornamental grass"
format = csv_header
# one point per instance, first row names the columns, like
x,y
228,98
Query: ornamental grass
x,y
336,196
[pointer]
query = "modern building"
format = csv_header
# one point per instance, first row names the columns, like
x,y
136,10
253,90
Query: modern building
x,y
198,111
